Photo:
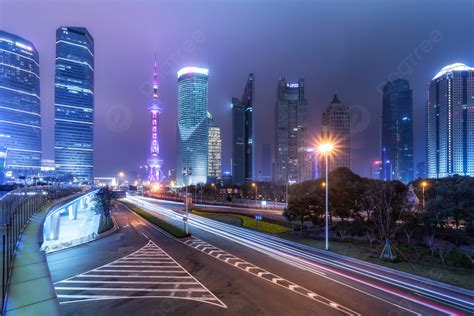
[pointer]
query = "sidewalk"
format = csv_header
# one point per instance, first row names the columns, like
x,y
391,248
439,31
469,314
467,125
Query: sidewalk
x,y
31,290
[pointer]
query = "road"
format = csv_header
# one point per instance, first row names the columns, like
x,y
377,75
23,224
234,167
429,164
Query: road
x,y
140,270
267,213
362,287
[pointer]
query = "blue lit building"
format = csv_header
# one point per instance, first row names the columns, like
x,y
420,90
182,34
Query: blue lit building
x,y
242,134
450,122
74,103
192,126
397,132
20,114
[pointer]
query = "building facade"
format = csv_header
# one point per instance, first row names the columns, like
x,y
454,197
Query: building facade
x,y
266,163
192,125
421,170
336,128
450,122
155,161
20,110
292,157
397,132
74,103
214,164
243,151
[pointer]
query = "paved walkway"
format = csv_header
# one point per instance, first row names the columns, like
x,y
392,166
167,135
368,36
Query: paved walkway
x,y
31,290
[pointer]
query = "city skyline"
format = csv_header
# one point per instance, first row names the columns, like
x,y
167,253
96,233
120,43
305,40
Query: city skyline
x,y
120,105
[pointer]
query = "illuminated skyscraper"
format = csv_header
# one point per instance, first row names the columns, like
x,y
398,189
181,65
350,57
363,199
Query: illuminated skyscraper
x,y
74,103
397,132
155,162
192,125
336,127
243,151
214,165
450,122
292,160
20,114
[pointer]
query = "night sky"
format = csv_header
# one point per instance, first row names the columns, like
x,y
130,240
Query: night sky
x,y
346,47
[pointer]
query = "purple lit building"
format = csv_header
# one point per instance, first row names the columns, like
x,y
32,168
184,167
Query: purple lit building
x,y
154,160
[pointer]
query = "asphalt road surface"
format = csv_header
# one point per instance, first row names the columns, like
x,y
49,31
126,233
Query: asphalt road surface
x,y
399,290
140,270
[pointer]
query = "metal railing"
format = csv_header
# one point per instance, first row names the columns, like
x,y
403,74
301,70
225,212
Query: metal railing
x,y
17,208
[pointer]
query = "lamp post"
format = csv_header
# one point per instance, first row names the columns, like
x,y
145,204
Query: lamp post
x,y
256,190
326,149
424,184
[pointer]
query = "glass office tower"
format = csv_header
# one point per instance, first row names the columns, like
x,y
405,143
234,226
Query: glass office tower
x,y
397,132
214,157
20,114
336,128
450,122
242,134
74,103
192,126
292,162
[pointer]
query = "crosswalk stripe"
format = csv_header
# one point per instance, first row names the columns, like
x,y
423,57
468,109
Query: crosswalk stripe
x,y
147,273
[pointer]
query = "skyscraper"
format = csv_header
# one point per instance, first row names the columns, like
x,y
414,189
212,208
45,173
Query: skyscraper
x,y
266,162
397,132
74,103
192,125
20,113
292,161
421,170
214,165
336,127
155,162
243,151
450,122
238,147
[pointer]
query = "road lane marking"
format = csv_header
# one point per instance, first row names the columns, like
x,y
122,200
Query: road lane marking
x,y
260,272
132,278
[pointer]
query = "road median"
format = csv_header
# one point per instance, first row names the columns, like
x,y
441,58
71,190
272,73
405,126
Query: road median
x,y
166,226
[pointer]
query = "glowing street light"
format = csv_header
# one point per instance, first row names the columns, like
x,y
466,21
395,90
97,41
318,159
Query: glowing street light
x,y
326,149
256,190
424,184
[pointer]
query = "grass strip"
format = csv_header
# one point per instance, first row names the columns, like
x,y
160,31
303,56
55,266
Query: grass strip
x,y
249,222
170,228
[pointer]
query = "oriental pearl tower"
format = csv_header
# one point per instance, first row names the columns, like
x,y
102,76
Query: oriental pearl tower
x,y
154,160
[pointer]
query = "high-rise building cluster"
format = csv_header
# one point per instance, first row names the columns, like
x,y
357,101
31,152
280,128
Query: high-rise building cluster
x,y
292,158
20,107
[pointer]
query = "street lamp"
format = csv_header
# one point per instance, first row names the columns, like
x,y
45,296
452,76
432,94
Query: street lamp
x,y
326,149
424,184
256,190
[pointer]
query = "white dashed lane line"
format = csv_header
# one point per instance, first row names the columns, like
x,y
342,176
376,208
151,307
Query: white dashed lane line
x,y
263,274
147,273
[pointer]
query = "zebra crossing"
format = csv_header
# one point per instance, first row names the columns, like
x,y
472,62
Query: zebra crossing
x,y
147,273
263,274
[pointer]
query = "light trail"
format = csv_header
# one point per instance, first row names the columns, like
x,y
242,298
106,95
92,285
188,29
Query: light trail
x,y
317,261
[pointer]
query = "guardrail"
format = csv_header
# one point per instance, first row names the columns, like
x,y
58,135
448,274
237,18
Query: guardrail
x,y
16,210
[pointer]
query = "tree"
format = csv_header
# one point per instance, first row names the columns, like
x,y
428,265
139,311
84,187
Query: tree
x,y
345,192
388,202
103,200
304,203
